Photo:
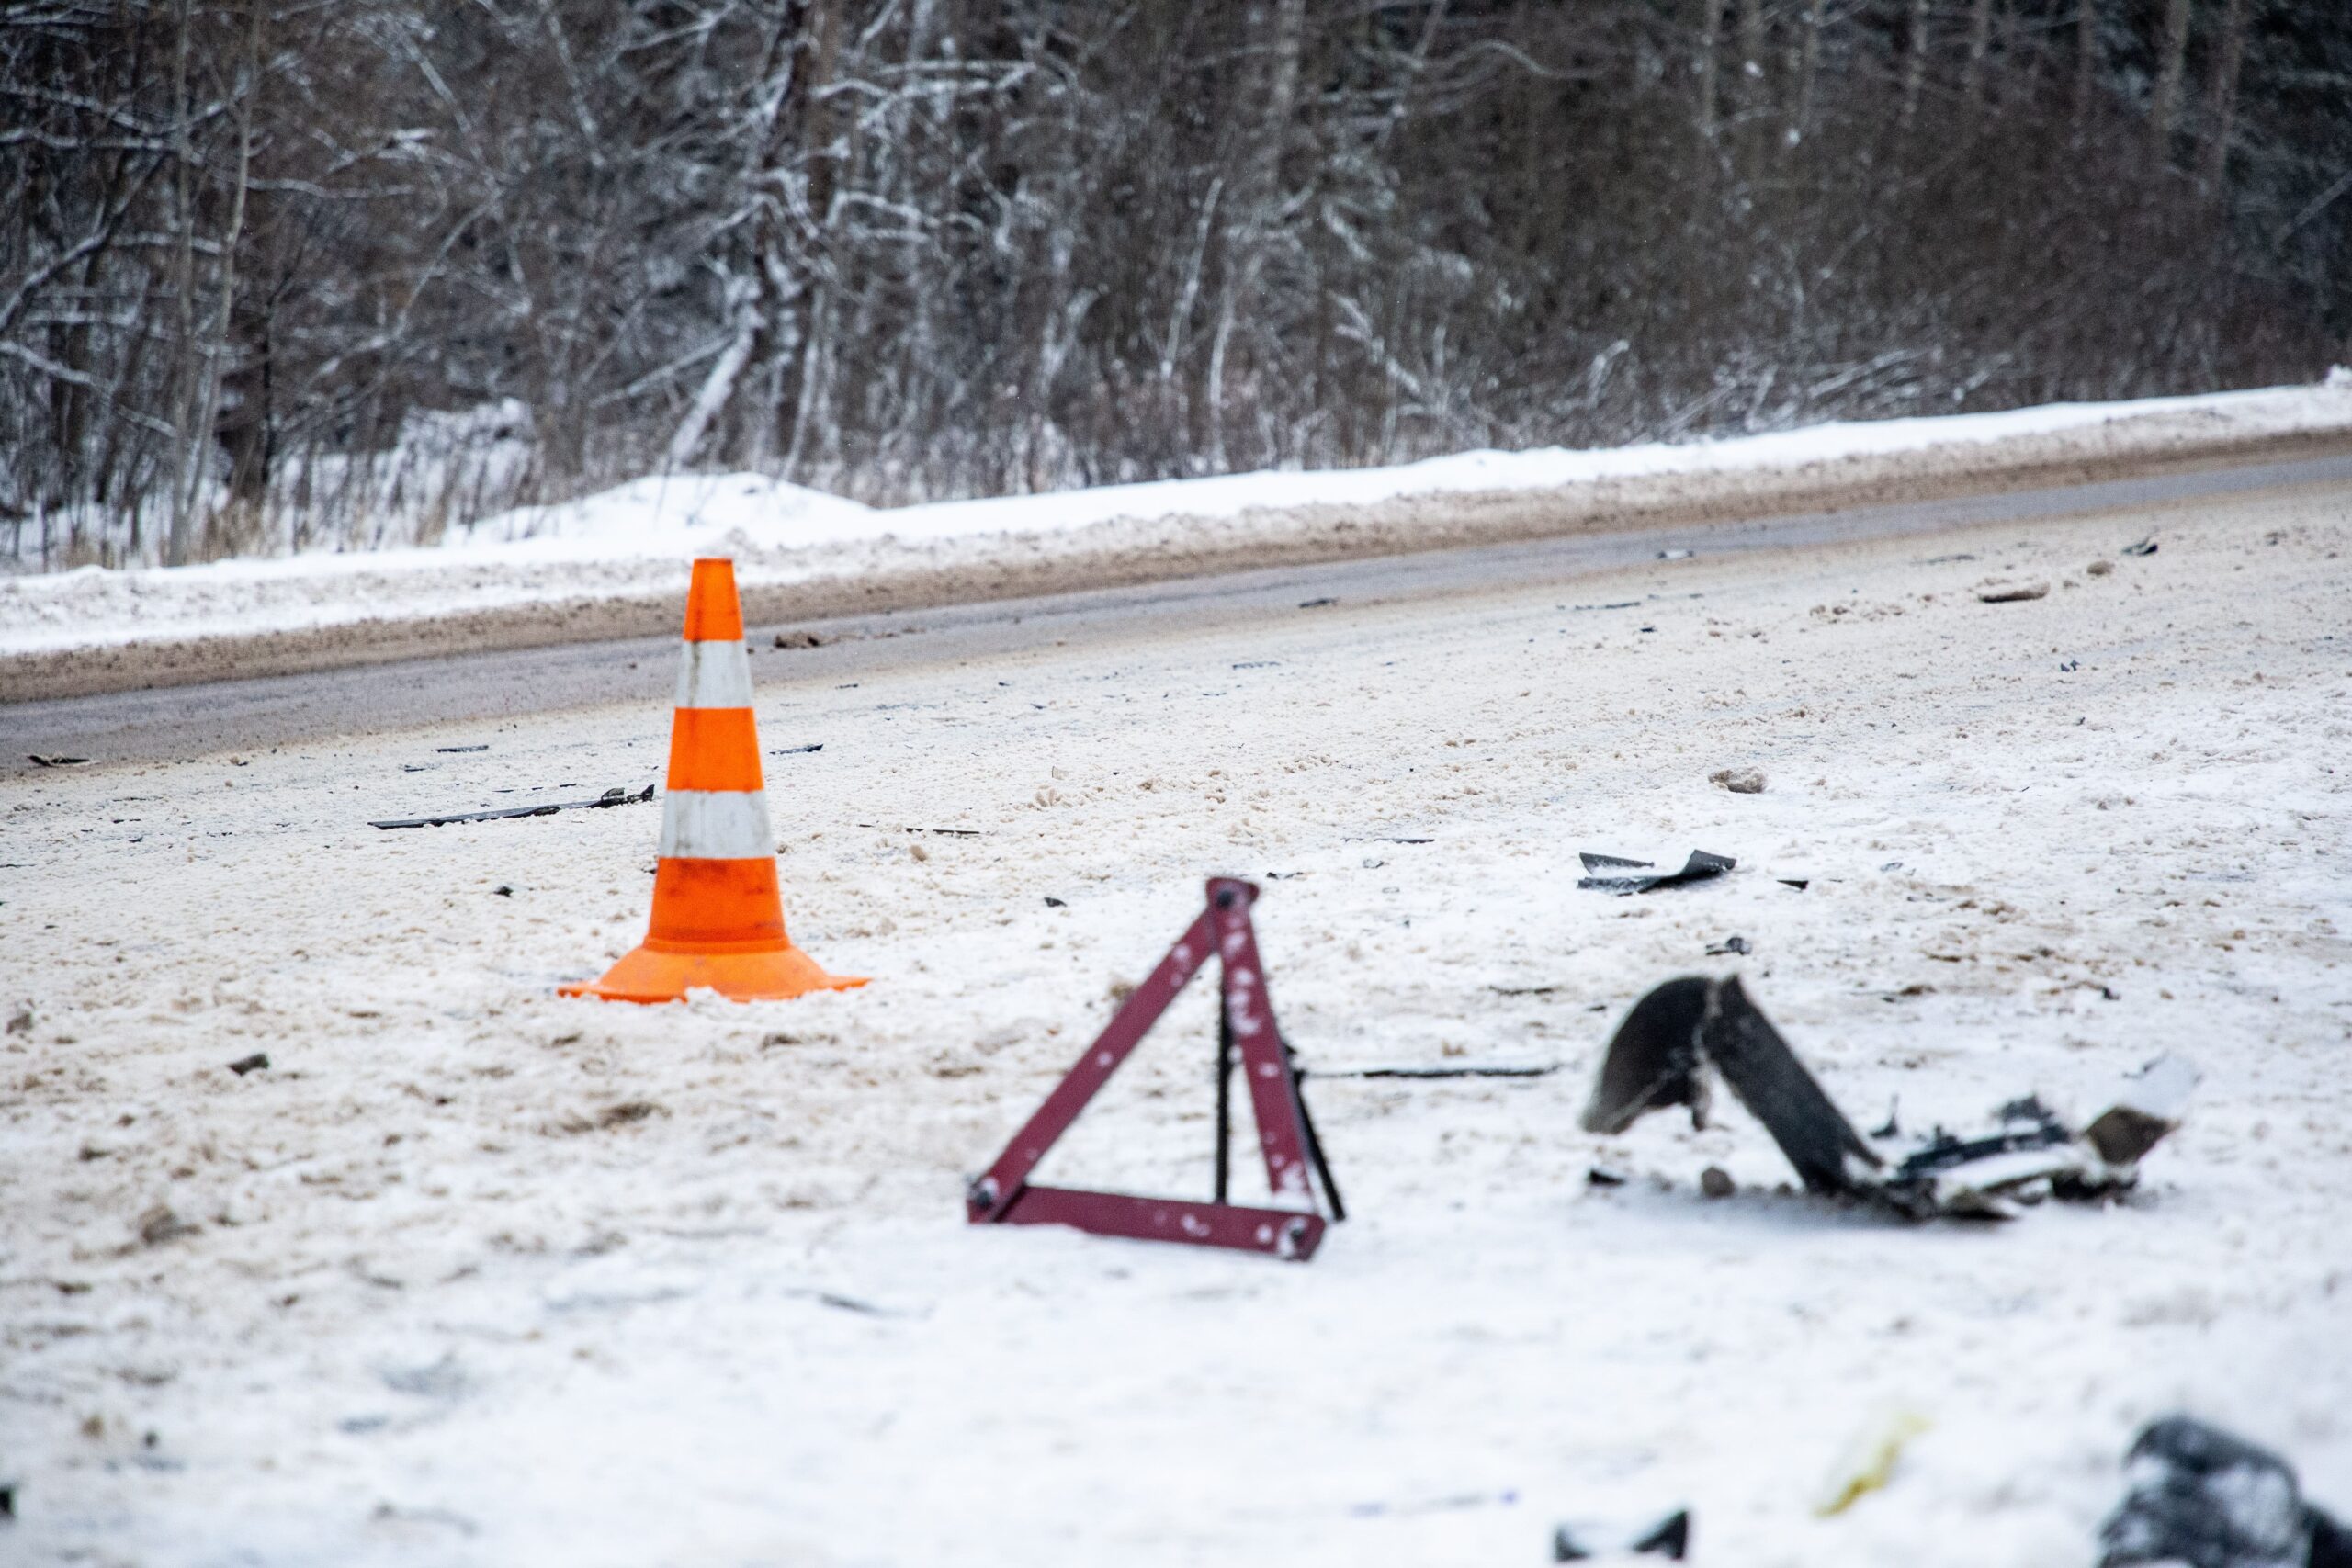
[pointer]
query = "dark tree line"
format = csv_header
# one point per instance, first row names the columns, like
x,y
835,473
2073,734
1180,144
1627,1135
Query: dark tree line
x,y
279,272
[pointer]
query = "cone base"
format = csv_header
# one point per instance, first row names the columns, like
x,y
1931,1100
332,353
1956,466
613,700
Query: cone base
x,y
775,973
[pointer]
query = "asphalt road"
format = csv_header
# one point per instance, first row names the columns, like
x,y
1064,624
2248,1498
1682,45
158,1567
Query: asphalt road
x,y
189,721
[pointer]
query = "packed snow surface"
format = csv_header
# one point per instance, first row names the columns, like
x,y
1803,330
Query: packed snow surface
x,y
637,537
471,1275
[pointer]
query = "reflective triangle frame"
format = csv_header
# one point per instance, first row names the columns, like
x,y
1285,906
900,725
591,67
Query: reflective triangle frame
x,y
1246,1031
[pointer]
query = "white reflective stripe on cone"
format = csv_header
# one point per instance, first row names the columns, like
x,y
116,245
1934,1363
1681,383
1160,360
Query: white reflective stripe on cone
x,y
715,676
709,824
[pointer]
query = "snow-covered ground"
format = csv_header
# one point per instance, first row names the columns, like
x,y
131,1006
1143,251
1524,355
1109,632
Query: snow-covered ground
x,y
473,1275
512,575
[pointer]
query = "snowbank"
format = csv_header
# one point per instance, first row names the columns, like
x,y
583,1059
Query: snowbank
x,y
611,564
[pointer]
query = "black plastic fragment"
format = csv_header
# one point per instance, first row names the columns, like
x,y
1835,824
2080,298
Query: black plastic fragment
x,y
1514,1070
255,1063
1652,1059
1615,873
1778,1090
2204,1497
1669,1539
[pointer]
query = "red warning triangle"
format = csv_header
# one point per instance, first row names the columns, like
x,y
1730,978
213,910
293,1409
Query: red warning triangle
x,y
1294,1162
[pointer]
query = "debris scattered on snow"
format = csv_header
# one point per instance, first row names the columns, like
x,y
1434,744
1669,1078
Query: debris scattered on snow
x,y
158,1225
2149,1107
2203,1497
1317,603
1868,1460
613,796
1383,1509
796,750
1730,945
2013,593
1739,781
53,761
1491,1070
942,832
1676,555
1580,1542
1662,1054
255,1063
2099,567
798,639
1615,873
2145,547
1601,1176
1054,903
483,747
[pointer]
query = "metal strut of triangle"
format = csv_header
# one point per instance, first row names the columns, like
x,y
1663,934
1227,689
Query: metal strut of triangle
x,y
1246,1031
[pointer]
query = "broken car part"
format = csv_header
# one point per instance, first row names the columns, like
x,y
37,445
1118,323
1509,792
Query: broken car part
x,y
1676,1039
1518,1070
1246,1030
1580,1541
613,796
2203,1497
1615,873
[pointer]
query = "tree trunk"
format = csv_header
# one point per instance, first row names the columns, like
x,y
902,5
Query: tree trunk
x,y
176,540
2220,119
216,349
1284,42
2086,61
2166,105
1915,61
1979,41
1754,114
1710,26
1808,70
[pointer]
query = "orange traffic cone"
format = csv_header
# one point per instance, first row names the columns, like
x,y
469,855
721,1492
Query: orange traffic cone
x,y
717,919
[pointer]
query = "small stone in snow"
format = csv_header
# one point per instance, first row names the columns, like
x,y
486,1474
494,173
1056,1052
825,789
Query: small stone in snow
x,y
255,1062
2013,593
1739,781
2099,568
1716,1182
158,1225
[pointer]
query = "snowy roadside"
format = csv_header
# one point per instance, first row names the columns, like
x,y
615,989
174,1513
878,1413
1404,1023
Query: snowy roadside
x,y
472,1274
612,565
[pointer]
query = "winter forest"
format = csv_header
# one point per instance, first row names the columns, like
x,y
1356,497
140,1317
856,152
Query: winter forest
x,y
302,274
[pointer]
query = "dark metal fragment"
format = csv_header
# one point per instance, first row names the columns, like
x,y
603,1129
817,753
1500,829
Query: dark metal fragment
x,y
1615,873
